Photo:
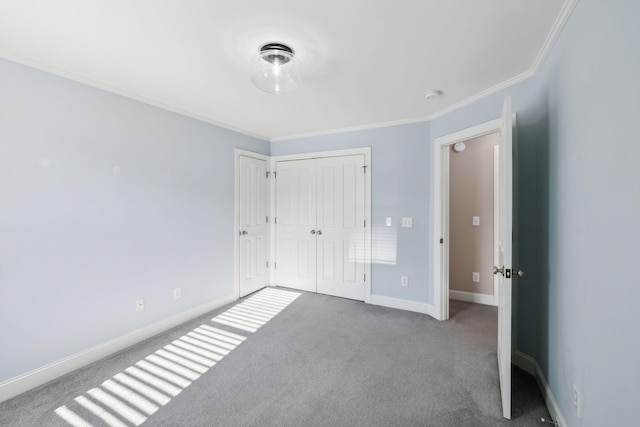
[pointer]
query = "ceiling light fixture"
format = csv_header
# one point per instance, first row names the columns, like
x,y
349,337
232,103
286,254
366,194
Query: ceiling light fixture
x,y
275,69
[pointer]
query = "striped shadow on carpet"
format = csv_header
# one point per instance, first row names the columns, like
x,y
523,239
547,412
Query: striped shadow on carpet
x,y
136,393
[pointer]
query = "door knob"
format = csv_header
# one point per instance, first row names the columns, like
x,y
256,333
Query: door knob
x,y
244,232
519,273
497,270
319,232
313,231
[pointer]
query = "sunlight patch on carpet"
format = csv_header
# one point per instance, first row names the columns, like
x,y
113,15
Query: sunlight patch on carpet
x,y
130,397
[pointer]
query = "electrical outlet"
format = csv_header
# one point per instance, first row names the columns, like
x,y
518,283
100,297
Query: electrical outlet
x,y
404,281
139,304
576,399
177,293
475,276
475,221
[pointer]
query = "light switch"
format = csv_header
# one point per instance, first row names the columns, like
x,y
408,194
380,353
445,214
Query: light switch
x,y
476,221
475,277
407,222
388,221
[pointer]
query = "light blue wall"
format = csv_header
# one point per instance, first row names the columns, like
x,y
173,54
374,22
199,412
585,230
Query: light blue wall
x,y
401,177
579,205
589,286
578,208
78,246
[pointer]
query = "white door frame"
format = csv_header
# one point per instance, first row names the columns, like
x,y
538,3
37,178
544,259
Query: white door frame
x,y
441,209
236,220
366,151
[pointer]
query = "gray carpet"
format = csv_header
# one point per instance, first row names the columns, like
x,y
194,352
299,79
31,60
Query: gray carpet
x,y
321,361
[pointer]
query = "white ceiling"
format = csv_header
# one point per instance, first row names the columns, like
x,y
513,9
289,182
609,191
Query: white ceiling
x,y
365,63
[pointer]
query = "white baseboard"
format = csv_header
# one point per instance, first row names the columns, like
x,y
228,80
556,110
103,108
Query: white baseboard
x,y
530,365
485,299
44,374
403,304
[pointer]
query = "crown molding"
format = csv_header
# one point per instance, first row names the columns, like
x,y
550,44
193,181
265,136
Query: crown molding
x,y
553,35
111,89
556,29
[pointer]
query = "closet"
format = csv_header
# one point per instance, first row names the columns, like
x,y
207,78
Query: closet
x,y
320,225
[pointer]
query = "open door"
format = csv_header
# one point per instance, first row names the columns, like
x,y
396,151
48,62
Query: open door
x,y
253,230
503,264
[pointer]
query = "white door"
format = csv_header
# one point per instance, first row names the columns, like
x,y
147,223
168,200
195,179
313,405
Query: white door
x,y
504,268
320,230
340,226
252,225
296,224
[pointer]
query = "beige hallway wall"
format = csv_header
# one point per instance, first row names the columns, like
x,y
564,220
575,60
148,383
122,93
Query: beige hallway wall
x,y
471,194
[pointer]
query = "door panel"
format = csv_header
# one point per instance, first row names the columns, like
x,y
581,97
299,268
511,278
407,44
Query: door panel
x,y
295,220
253,225
505,250
341,223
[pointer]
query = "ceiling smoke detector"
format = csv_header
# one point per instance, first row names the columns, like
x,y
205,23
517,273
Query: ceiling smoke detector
x,y
275,69
433,94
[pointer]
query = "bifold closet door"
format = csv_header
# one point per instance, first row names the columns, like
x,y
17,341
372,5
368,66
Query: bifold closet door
x,y
253,227
296,224
320,225
340,225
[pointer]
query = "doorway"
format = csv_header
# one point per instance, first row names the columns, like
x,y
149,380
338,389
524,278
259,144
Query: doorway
x,y
505,246
472,219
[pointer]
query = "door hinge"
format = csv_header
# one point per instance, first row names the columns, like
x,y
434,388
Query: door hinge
x,y
365,223
267,174
365,277
275,265
266,219
364,168
275,175
267,264
275,220
441,240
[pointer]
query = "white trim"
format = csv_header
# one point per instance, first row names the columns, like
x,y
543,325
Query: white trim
x,y
496,219
440,209
111,89
236,244
474,297
321,154
553,35
530,365
351,129
485,93
403,304
42,375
